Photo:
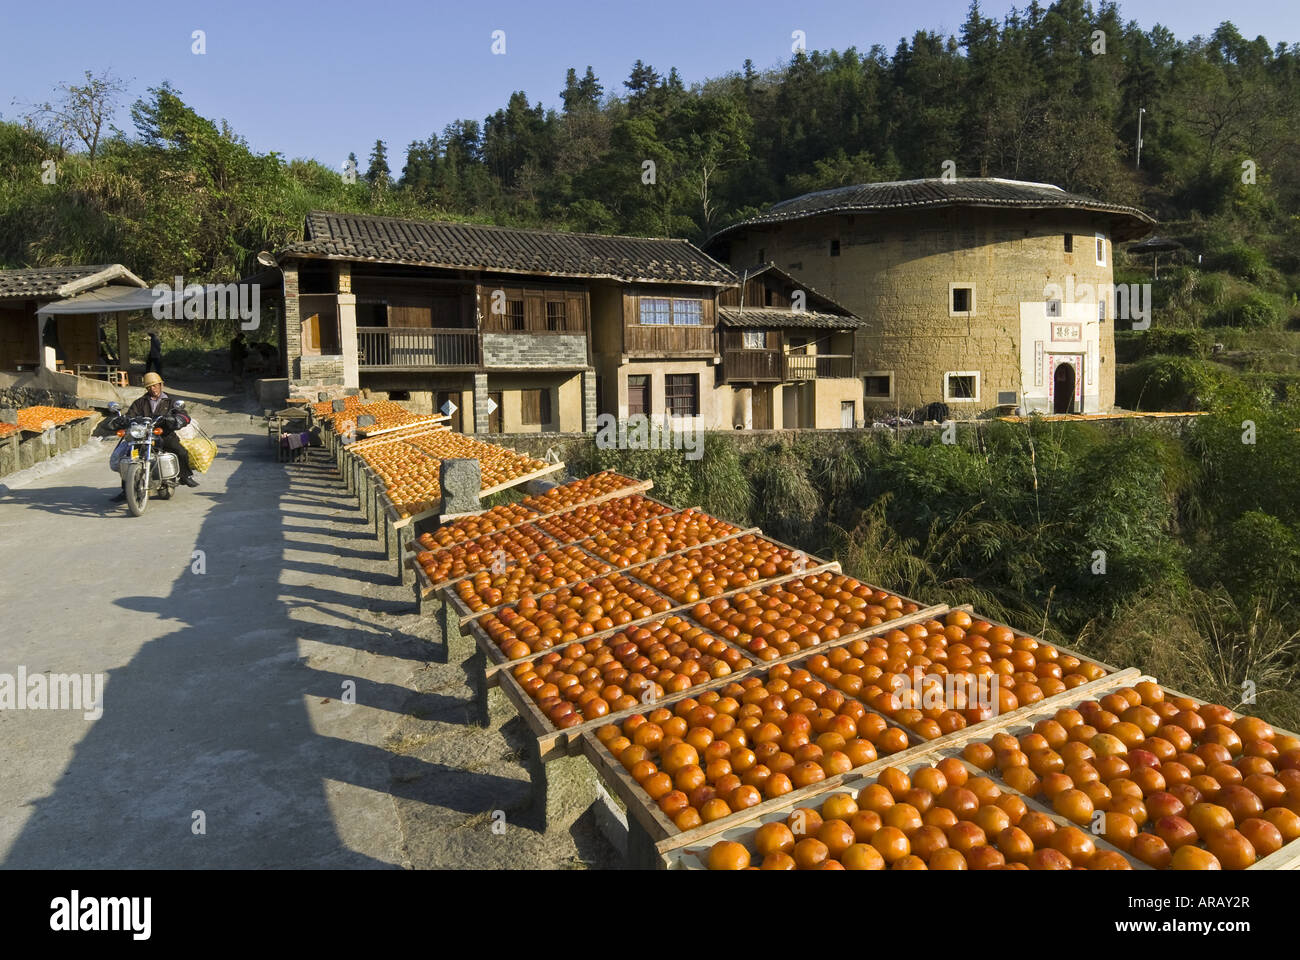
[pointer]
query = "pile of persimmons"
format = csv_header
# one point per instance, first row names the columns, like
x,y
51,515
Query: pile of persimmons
x,y
586,681
586,522
578,492
557,567
785,617
36,419
656,536
508,547
938,817
755,739
936,677
1174,782
717,568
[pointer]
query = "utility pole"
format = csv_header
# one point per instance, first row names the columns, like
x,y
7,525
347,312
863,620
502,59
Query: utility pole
x,y
1141,110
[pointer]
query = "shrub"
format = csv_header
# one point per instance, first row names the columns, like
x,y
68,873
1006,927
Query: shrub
x,y
1244,261
1253,311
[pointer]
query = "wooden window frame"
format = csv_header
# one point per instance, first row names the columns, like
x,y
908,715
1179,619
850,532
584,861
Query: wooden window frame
x,y
1100,240
672,311
745,336
556,319
673,382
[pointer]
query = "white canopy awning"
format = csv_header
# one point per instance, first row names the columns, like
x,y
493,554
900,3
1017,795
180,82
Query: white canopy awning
x,y
109,299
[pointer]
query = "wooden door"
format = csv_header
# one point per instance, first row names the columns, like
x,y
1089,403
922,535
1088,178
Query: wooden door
x,y
441,398
762,409
494,414
638,396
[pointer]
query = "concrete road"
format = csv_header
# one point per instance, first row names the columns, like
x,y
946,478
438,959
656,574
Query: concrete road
x,y
230,625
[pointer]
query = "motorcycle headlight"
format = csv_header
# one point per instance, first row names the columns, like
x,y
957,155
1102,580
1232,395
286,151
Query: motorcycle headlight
x,y
137,431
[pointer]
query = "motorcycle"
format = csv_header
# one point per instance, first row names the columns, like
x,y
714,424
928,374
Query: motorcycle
x,y
144,468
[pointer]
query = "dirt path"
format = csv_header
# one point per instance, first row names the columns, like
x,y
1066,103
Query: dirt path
x,y
231,624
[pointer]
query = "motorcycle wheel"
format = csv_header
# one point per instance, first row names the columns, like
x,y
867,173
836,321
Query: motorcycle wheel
x,y
137,489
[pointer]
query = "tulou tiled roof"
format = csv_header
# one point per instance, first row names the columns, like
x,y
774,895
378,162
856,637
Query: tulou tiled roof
x,y
904,195
769,318
46,283
472,246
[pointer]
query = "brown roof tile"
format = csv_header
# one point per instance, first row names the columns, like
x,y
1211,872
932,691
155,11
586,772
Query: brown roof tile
x,y
473,246
937,192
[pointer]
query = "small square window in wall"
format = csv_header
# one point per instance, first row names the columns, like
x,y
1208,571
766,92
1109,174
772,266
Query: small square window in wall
x,y
961,386
1053,308
878,386
1101,310
961,298
835,248
754,340
1101,249
1069,243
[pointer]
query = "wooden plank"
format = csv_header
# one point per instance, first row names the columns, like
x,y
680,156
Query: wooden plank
x,y
525,478
366,433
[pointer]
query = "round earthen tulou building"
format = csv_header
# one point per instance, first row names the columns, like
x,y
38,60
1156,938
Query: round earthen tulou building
x,y
976,293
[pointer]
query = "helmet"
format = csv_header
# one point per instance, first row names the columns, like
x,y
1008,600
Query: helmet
x,y
151,378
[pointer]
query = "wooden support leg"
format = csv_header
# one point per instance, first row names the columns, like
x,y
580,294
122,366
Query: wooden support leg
x,y
641,853
563,789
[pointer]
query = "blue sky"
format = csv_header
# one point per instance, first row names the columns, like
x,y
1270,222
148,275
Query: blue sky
x,y
321,78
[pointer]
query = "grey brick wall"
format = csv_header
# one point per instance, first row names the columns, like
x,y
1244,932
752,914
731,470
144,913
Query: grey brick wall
x,y
292,321
480,424
534,350
589,399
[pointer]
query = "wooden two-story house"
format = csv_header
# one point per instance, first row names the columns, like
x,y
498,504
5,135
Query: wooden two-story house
x,y
504,327
787,354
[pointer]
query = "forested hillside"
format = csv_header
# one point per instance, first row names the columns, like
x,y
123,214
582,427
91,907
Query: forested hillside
x,y
1047,93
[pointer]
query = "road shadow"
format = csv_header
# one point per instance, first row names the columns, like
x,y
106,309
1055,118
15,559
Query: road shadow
x,y
209,721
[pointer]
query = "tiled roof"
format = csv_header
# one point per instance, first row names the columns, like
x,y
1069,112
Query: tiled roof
x,y
44,282
768,318
791,280
935,193
472,246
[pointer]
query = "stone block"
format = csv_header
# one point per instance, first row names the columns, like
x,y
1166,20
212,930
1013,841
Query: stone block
x,y
461,480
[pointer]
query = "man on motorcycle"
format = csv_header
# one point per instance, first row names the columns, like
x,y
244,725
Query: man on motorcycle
x,y
156,403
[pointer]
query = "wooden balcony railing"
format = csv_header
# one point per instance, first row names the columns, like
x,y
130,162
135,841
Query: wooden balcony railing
x,y
415,348
773,365
821,366
753,365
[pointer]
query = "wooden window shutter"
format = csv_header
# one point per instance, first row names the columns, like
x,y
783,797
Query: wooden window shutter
x,y
534,310
531,406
